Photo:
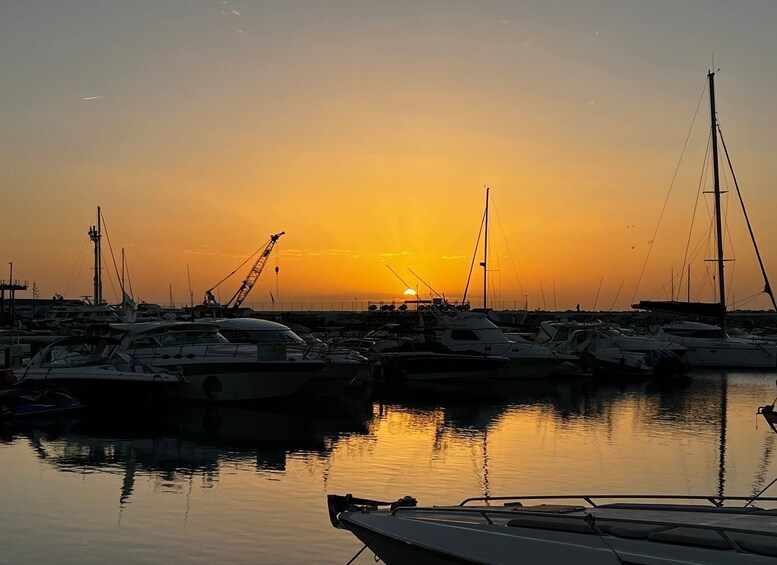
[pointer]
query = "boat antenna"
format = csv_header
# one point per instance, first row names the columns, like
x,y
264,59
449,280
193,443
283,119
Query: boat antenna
x,y
617,294
767,286
426,284
191,294
598,290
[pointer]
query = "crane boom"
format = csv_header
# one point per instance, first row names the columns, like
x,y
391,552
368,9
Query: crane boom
x,y
253,274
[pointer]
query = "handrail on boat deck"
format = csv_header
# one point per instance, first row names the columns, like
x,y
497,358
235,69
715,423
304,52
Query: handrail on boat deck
x,y
224,349
715,500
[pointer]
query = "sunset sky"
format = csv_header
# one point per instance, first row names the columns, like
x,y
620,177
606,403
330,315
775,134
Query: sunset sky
x,y
368,130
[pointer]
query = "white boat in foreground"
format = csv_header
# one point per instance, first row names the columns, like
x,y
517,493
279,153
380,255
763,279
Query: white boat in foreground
x,y
585,529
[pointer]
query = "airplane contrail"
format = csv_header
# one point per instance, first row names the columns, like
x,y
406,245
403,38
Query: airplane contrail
x,y
92,97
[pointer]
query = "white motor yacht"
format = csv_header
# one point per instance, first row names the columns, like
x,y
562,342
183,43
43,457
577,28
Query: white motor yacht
x,y
548,530
474,332
218,371
709,346
98,372
343,369
609,351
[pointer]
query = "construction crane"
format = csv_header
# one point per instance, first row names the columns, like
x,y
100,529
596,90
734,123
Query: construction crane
x,y
249,282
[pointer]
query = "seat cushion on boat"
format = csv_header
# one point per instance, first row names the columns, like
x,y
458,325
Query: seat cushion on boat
x,y
575,525
629,531
681,508
691,536
551,508
763,545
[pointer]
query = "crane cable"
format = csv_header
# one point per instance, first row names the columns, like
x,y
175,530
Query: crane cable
x,y
239,266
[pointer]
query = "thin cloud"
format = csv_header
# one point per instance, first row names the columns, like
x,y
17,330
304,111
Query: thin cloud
x,y
207,251
389,254
453,257
295,253
92,97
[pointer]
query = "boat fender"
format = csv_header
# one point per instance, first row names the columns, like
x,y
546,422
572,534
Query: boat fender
x,y
7,377
211,386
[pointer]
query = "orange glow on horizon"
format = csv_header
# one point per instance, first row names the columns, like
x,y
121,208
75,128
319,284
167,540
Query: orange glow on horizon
x,y
374,149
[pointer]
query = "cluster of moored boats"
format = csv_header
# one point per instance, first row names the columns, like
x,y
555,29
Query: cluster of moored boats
x,y
250,360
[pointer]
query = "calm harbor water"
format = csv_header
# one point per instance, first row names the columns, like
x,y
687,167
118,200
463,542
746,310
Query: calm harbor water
x,y
248,486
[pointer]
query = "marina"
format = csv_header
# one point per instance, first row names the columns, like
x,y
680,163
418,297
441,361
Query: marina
x,y
412,283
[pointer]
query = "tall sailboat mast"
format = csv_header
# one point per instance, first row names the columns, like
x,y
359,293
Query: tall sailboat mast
x,y
716,190
485,255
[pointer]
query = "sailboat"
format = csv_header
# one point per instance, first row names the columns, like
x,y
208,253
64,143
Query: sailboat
x,y
473,332
710,345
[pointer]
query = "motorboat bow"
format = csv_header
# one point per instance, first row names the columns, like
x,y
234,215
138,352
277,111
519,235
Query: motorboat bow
x,y
587,529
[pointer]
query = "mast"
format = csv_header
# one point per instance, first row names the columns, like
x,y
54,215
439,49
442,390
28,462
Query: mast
x,y
485,255
95,234
716,189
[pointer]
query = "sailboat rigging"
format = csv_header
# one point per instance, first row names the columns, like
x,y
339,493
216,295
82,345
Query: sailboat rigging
x,y
484,263
710,345
716,310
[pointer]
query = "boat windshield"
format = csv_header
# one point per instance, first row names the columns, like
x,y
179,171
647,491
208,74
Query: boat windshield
x,y
179,338
76,355
286,337
492,335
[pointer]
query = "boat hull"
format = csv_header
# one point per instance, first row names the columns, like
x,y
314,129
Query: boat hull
x,y
245,381
397,541
423,367
335,378
528,368
106,393
745,357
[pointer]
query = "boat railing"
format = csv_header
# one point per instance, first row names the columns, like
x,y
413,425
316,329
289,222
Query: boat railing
x,y
197,351
715,500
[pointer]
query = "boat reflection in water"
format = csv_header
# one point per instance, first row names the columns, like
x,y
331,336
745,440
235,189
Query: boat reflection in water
x,y
207,483
192,440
